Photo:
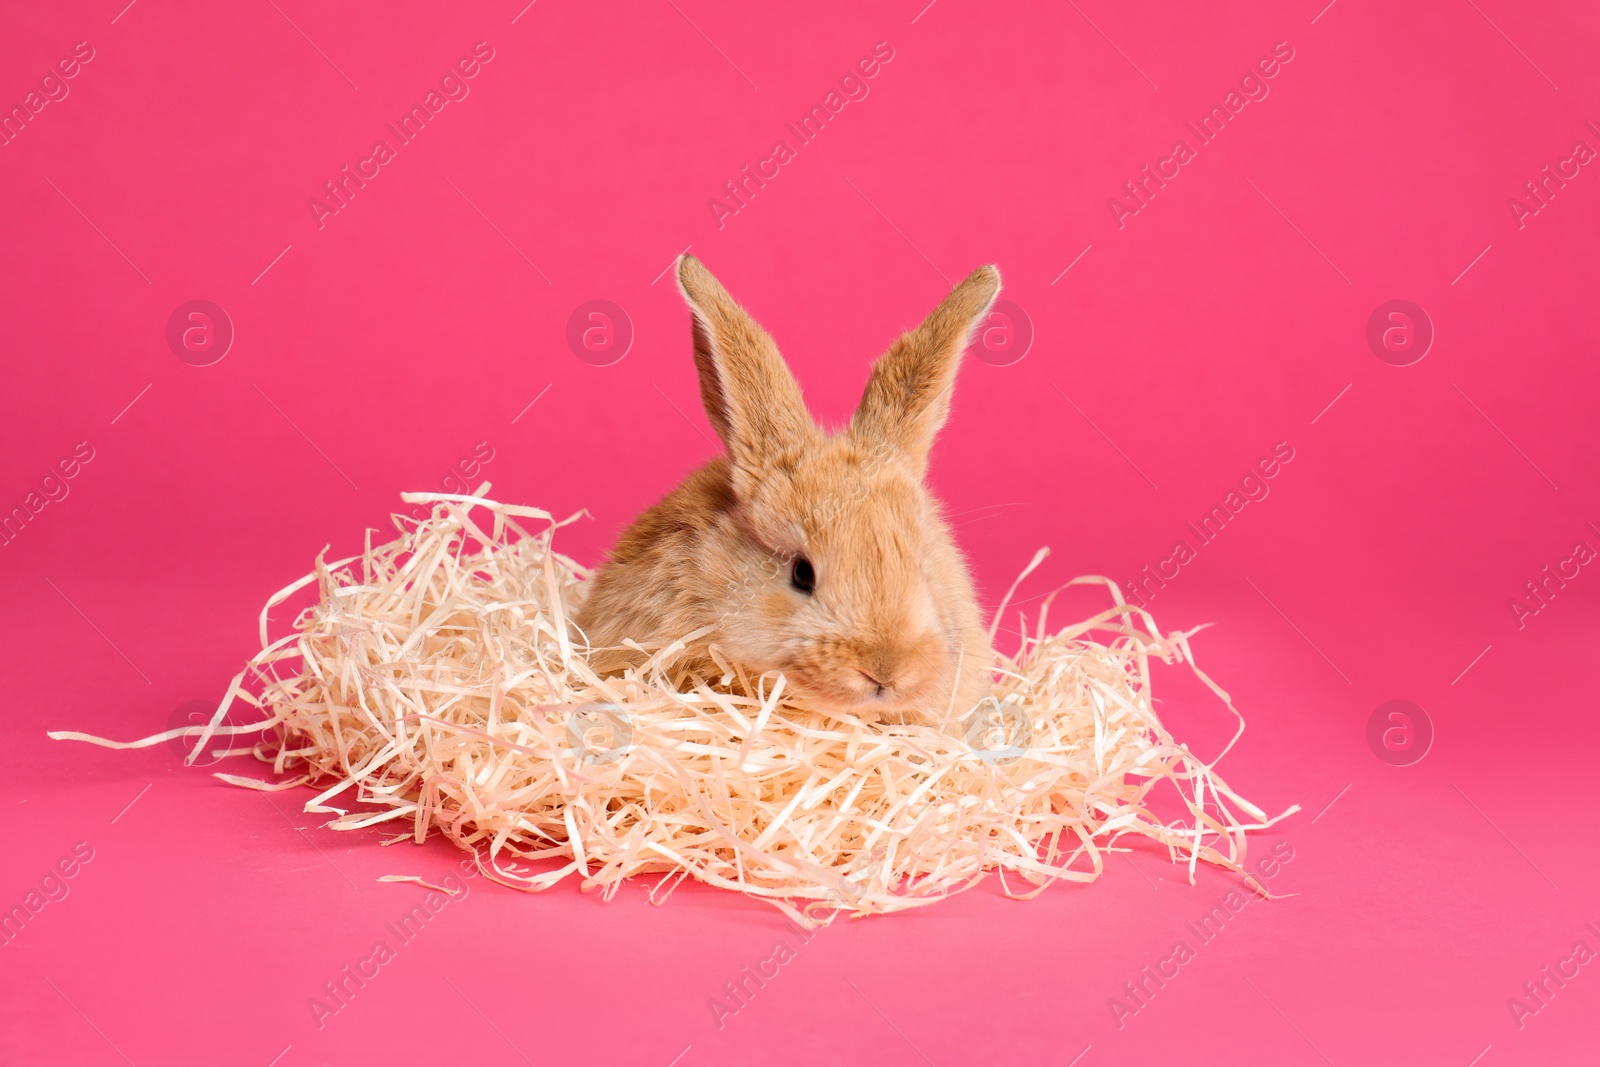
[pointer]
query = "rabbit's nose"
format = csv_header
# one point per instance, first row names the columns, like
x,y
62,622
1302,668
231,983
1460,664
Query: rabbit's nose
x,y
878,686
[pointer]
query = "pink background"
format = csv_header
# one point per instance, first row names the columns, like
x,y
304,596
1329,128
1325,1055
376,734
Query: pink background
x,y
1224,317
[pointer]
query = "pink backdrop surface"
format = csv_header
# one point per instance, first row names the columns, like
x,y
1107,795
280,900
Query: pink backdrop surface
x,y
1367,155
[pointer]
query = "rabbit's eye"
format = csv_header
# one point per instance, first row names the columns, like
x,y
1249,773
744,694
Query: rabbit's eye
x,y
802,575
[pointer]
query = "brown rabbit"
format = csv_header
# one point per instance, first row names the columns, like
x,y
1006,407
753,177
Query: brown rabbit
x,y
819,555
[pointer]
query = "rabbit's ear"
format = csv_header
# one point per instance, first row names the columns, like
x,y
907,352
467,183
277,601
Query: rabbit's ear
x,y
908,395
751,398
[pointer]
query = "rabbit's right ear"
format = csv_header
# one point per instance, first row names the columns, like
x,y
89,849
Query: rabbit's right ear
x,y
751,398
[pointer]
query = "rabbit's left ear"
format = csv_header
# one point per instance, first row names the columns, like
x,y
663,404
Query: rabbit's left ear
x,y
908,395
753,401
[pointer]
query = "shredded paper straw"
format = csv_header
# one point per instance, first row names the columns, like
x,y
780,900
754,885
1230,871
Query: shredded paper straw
x,y
438,683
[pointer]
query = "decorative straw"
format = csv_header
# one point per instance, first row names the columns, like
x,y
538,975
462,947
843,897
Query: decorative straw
x,y
440,683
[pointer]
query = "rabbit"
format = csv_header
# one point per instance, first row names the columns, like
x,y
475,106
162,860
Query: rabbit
x,y
819,555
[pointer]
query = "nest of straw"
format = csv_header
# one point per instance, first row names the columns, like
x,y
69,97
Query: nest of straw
x,y
438,682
